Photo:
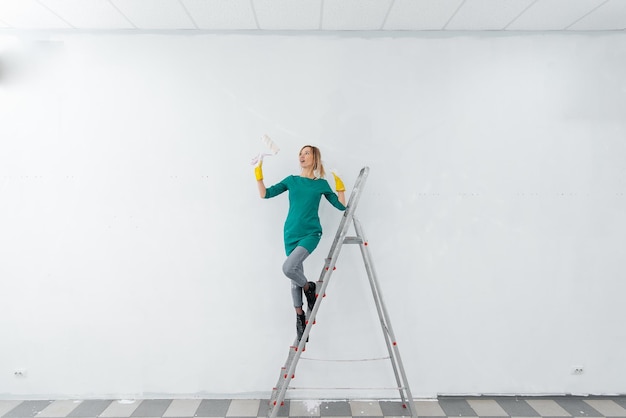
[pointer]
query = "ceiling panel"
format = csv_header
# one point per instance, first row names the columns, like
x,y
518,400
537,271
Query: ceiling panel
x,y
609,16
354,14
288,14
420,14
155,14
222,14
553,14
487,14
29,14
89,14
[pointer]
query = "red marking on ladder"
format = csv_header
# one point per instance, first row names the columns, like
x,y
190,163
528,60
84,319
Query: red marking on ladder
x,y
365,243
282,403
395,343
404,405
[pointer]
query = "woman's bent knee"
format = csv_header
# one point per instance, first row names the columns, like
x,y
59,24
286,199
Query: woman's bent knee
x,y
289,269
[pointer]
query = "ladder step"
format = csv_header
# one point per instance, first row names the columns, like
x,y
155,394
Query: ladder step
x,y
353,240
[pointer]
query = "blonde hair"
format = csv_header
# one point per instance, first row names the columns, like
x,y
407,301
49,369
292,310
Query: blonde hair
x,y
318,167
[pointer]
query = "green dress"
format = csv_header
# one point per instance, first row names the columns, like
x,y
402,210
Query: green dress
x,y
302,226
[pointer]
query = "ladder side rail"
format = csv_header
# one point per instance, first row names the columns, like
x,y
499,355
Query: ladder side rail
x,y
292,362
374,280
378,301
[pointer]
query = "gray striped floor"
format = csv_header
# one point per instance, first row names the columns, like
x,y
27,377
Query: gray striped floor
x,y
502,407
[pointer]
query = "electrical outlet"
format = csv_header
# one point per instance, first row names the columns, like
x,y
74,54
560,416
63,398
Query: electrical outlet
x,y
19,373
578,370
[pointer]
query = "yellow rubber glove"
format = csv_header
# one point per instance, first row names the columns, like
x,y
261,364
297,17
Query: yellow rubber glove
x,y
258,170
338,183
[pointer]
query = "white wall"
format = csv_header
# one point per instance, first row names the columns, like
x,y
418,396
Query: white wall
x,y
136,258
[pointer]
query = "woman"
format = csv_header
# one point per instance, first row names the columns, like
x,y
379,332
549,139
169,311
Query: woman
x,y
302,230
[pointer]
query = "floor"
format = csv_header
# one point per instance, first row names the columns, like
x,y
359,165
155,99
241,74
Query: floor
x,y
518,407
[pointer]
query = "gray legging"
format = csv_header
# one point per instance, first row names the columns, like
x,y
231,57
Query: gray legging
x,y
293,269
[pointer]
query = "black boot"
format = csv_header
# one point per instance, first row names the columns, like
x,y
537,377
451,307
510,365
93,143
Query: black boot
x,y
300,325
310,296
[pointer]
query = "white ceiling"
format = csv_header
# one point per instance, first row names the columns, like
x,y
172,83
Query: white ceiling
x,y
313,15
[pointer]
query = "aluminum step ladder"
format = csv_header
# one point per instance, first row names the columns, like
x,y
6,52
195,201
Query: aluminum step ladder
x,y
287,372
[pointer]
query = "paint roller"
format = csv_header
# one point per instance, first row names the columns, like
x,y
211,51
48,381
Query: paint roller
x,y
270,145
